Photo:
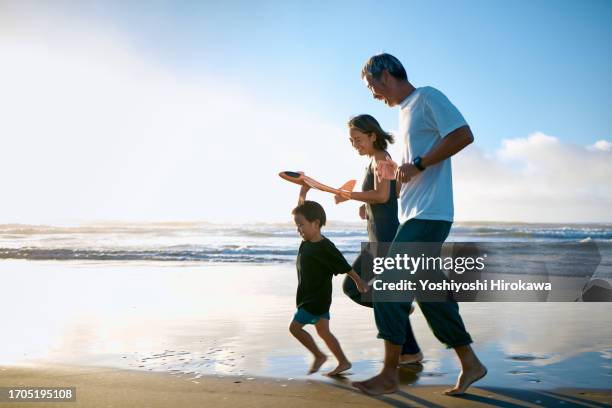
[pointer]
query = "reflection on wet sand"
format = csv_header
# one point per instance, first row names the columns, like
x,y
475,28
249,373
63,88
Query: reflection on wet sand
x,y
232,320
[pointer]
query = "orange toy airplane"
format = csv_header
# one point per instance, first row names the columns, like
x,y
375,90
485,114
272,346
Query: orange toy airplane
x,y
298,177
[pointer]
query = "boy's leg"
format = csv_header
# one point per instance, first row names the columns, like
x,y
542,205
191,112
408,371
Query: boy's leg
x,y
296,328
332,342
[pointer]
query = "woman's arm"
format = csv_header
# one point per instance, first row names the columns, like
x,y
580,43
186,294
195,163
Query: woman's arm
x,y
380,193
362,286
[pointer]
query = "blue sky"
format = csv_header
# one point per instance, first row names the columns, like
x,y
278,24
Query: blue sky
x,y
512,67
185,110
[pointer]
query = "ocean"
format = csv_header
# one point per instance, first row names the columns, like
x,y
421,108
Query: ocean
x,y
250,243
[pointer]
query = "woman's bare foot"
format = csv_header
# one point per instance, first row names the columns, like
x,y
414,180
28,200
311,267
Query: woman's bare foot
x,y
411,358
342,367
377,385
467,378
317,363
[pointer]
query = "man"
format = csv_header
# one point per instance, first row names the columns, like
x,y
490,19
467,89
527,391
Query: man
x,y
433,130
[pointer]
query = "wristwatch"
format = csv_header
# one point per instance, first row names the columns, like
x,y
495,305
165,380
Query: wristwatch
x,y
416,162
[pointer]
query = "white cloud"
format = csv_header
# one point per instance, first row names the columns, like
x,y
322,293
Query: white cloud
x,y
93,130
534,179
601,145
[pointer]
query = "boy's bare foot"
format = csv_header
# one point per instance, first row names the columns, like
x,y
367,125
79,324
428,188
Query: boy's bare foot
x,y
377,385
317,363
342,367
467,378
411,358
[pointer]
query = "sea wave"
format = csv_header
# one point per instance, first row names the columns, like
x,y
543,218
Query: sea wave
x,y
256,242
209,255
16,231
597,232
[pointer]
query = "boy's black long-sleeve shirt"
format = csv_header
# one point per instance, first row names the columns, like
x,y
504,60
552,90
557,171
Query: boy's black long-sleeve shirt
x,y
317,263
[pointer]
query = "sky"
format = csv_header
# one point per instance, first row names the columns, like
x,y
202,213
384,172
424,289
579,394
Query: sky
x,y
185,110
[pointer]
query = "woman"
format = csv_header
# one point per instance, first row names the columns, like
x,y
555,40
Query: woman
x,y
380,211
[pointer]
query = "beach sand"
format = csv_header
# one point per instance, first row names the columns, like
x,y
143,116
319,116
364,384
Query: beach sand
x,y
142,334
109,387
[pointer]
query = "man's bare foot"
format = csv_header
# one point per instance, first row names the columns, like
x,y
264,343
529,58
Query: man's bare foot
x,y
377,385
342,367
467,378
411,358
317,363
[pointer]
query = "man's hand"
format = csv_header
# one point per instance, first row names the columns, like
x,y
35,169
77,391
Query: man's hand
x,y
405,172
362,212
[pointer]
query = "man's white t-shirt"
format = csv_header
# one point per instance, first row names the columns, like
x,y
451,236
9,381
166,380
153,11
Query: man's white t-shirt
x,y
426,116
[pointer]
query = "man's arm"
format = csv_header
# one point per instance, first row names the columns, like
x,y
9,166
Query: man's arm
x,y
450,145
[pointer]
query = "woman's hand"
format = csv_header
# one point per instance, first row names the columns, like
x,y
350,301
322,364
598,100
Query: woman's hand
x,y
362,212
339,199
362,286
342,196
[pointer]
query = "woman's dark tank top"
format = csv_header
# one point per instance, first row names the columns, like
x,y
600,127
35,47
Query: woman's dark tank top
x,y
382,218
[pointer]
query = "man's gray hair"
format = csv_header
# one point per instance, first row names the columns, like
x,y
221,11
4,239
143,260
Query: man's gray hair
x,y
380,62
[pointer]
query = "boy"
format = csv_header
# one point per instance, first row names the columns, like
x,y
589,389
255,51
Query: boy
x,y
318,261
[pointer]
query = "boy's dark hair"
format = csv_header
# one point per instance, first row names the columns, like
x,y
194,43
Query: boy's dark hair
x,y
311,210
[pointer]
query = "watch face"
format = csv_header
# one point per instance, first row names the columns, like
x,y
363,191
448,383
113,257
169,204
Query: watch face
x,y
417,163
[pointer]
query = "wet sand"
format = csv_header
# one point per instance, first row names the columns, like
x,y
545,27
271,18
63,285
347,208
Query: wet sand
x,y
145,327
105,387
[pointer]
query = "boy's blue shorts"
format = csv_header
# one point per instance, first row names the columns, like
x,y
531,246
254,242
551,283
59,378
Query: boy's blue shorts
x,y
305,317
